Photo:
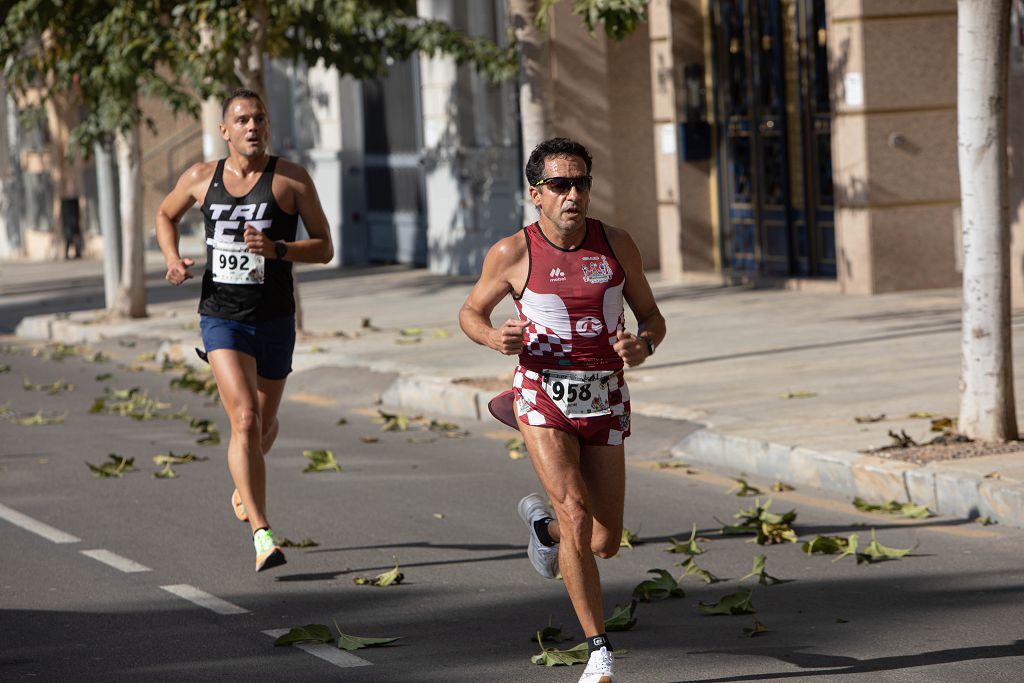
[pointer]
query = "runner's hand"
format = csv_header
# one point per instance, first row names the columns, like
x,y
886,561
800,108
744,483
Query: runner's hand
x,y
510,336
177,272
630,349
258,243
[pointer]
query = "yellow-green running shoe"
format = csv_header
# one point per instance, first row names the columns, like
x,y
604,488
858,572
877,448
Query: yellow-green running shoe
x,y
268,552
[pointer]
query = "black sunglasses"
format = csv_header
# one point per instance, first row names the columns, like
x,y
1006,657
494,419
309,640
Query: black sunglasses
x,y
562,184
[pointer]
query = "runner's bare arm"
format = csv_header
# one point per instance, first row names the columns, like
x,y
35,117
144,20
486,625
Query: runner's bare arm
x,y
638,294
296,192
501,266
172,208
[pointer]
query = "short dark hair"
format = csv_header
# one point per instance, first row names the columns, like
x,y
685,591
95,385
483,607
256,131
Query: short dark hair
x,y
241,94
553,147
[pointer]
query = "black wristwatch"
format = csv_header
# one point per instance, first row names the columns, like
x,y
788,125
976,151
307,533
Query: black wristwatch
x,y
650,345
280,249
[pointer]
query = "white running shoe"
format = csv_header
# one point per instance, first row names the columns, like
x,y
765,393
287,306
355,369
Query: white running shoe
x,y
544,559
600,668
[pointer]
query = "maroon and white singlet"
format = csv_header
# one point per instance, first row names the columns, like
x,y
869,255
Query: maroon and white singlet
x,y
569,377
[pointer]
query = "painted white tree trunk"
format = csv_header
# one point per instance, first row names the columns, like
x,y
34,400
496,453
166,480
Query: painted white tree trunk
x,y
535,115
131,295
987,409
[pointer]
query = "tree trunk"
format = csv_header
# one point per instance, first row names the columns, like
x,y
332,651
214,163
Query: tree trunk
x,y
110,226
987,409
535,115
131,295
249,63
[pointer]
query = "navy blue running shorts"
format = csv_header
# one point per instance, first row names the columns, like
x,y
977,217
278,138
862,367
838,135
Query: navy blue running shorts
x,y
270,342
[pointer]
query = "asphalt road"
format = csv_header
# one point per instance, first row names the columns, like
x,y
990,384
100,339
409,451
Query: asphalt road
x,y
470,601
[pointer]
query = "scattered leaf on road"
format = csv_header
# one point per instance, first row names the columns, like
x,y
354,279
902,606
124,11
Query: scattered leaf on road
x,y
876,552
865,419
782,486
116,467
4,369
629,539
516,448
104,376
438,515
311,633
388,578
622,618
757,629
40,419
392,422
742,488
691,568
670,465
321,461
689,547
341,421
984,521
910,509
551,634
797,394
53,388
732,604
166,473
170,458
304,542
831,545
369,439
580,654
759,570
658,589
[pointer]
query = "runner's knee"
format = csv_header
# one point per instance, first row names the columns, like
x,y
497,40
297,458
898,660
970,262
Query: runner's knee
x,y
572,514
246,421
606,547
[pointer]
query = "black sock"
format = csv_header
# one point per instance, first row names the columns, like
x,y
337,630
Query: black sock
x,y
540,527
595,643
262,528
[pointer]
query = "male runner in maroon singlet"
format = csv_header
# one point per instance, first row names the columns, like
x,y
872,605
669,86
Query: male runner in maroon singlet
x,y
251,203
569,275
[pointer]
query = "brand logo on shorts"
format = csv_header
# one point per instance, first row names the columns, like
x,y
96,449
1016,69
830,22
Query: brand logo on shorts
x,y
596,269
557,275
589,326
623,423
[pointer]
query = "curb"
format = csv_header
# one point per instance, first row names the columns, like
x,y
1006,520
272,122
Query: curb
x,y
946,489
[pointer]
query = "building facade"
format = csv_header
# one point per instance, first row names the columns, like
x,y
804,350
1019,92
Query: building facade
x,y
808,142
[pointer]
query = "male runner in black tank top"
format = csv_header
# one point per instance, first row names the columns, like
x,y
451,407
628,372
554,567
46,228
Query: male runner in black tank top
x,y
251,202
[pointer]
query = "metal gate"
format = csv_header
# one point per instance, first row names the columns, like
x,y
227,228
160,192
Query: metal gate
x,y
395,216
774,147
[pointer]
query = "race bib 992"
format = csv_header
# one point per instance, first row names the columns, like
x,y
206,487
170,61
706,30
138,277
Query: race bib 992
x,y
233,265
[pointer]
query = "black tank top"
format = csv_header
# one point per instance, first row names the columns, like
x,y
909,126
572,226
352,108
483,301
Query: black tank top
x,y
225,217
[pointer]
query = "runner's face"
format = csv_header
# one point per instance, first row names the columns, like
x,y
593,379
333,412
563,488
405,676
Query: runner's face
x,y
566,212
245,127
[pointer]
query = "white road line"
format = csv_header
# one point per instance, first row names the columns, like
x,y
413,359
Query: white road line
x,y
329,653
204,599
116,561
36,527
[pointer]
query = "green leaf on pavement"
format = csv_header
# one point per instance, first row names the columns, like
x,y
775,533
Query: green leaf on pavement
x,y
4,369
832,545
549,656
689,547
57,352
312,633
116,467
732,604
99,357
766,526
104,376
171,459
759,570
146,357
757,629
622,618
516,448
305,542
321,461
411,331
392,422
388,578
984,521
876,552
629,539
910,509
670,465
867,419
691,568
349,642
341,421
198,382
40,419
54,388
551,634
446,428
781,486
742,488
166,473
658,589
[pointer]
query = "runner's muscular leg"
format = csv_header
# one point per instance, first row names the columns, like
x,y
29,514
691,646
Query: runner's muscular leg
x,y
270,392
235,373
604,471
556,459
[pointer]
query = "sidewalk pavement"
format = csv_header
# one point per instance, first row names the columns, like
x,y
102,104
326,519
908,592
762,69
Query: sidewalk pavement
x,y
773,378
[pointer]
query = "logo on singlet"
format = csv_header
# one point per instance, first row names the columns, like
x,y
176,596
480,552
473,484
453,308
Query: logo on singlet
x,y
556,275
589,326
596,269
232,227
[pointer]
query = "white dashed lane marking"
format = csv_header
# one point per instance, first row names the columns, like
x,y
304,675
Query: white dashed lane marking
x,y
116,561
204,599
35,526
328,653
